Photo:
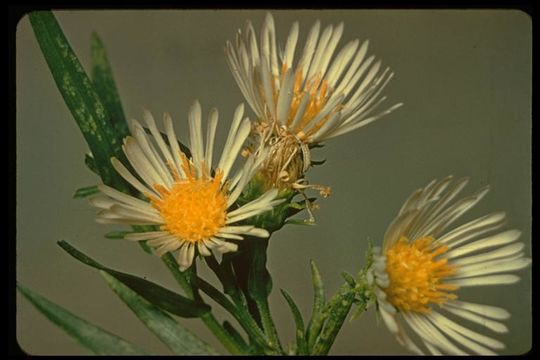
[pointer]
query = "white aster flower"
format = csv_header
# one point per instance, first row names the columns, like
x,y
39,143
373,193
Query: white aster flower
x,y
318,96
190,201
421,265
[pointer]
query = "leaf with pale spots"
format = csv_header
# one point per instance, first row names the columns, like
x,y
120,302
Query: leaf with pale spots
x,y
156,294
90,336
105,86
80,96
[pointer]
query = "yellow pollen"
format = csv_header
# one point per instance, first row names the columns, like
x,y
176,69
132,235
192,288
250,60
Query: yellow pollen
x,y
194,208
416,276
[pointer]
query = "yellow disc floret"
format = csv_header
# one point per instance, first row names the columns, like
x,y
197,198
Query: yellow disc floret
x,y
416,275
194,208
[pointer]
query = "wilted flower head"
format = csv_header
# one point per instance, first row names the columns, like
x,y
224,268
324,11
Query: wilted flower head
x,y
315,95
302,99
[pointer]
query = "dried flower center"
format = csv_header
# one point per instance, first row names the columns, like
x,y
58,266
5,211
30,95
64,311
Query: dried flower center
x,y
194,208
416,276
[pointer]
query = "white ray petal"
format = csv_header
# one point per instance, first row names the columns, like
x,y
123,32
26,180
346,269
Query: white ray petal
x,y
389,320
124,172
473,229
503,238
398,227
490,324
491,255
340,63
309,48
210,136
149,119
231,137
140,162
101,202
172,245
122,197
195,135
229,236
285,97
203,250
173,143
133,213
458,337
290,46
163,240
484,340
321,46
486,280
514,263
492,312
237,144
429,333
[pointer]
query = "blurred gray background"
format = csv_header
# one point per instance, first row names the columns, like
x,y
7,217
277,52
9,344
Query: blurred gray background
x,y
465,79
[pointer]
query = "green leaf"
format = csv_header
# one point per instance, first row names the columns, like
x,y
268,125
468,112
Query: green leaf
x,y
90,336
156,294
105,86
300,335
80,96
91,163
317,162
235,334
295,311
117,234
296,207
317,316
85,191
176,337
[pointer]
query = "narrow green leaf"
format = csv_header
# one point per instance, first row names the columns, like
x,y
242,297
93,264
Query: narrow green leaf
x,y
117,234
295,311
90,336
176,337
79,95
305,222
235,334
85,192
319,299
105,86
299,321
296,207
317,162
90,163
349,279
156,294
337,310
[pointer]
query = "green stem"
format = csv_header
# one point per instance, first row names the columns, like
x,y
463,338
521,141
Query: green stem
x,y
239,313
209,319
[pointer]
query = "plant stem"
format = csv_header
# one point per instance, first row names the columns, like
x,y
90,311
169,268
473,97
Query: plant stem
x,y
209,319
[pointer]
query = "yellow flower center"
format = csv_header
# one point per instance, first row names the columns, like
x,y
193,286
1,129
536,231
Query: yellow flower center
x,y
319,93
194,208
416,276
